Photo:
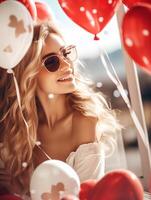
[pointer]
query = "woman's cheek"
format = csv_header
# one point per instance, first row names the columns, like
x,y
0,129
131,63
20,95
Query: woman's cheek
x,y
45,81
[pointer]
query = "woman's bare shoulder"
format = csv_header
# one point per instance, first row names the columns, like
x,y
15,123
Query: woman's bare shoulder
x,y
84,127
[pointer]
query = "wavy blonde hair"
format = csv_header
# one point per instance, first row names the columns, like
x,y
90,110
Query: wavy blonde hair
x,y
17,144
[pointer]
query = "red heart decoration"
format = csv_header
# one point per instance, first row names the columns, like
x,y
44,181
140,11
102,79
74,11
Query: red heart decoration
x,y
130,3
92,15
117,185
136,31
85,189
30,5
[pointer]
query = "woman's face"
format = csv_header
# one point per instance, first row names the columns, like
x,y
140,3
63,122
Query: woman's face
x,y
61,81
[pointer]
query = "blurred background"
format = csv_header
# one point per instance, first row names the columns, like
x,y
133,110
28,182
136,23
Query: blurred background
x,y
127,153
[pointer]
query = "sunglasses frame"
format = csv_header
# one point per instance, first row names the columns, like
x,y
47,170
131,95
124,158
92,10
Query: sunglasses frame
x,y
60,54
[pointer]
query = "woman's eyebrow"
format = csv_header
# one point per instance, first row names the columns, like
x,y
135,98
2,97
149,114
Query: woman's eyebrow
x,y
53,53
49,54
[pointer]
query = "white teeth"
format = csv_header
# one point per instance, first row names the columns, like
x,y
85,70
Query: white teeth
x,y
65,78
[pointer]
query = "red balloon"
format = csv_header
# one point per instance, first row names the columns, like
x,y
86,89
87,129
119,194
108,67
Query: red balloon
x,y
30,5
130,3
136,32
92,15
118,185
9,197
43,11
86,188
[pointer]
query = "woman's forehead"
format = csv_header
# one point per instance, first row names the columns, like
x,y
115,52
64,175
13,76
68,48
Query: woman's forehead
x,y
52,44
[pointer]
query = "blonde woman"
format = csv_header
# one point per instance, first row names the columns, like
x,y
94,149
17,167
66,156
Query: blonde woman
x,y
67,120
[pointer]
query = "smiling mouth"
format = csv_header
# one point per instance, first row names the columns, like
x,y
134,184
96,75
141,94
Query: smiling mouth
x,y
66,78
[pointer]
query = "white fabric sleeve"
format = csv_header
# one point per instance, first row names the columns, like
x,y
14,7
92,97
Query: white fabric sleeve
x,y
88,161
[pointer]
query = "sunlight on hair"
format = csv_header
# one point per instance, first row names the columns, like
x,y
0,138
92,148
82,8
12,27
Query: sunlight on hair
x,y
24,164
38,143
99,84
50,96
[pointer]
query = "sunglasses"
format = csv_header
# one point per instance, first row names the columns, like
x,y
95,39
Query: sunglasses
x,y
52,61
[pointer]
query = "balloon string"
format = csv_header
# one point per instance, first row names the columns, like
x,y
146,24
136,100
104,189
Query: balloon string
x,y
10,71
120,87
44,152
96,37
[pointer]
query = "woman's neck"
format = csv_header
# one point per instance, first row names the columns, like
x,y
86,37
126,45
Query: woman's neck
x,y
55,108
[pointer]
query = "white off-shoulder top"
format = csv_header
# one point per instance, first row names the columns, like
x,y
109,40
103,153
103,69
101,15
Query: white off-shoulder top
x,y
88,161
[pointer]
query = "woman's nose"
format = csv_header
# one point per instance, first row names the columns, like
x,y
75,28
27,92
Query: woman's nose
x,y
65,64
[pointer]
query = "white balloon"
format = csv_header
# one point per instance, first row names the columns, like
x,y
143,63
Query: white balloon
x,y
52,178
16,33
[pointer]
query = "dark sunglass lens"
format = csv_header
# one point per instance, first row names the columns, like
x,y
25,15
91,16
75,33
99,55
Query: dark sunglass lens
x,y
52,63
